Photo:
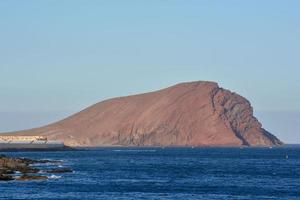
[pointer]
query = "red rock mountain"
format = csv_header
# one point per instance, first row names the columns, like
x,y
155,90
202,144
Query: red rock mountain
x,y
187,114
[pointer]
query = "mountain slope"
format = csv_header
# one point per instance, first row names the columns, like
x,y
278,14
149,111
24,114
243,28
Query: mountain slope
x,y
188,114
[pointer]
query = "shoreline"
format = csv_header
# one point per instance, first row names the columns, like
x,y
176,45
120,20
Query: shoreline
x,y
67,148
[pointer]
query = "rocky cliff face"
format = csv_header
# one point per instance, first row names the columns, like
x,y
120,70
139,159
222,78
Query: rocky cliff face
x,y
187,114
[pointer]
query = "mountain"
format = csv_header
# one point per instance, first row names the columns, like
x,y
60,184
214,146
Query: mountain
x,y
188,114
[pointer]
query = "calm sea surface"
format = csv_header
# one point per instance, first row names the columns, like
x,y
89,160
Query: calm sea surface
x,y
170,173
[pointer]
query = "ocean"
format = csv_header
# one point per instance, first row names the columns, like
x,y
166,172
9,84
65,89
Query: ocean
x,y
165,173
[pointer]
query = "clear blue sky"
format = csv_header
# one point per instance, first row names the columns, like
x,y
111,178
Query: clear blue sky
x,y
58,57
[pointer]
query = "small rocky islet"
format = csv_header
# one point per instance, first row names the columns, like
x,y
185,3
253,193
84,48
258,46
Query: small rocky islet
x,y
22,169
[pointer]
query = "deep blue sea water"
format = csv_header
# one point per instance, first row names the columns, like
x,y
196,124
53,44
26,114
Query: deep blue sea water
x,y
169,173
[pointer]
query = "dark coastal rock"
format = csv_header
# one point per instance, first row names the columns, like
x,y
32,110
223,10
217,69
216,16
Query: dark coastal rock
x,y
17,164
59,170
188,114
9,167
31,178
6,171
5,177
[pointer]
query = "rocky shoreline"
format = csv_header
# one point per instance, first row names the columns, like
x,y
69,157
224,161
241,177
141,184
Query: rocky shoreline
x,y
21,169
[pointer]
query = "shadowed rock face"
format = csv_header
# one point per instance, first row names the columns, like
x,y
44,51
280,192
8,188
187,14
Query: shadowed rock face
x,y
187,114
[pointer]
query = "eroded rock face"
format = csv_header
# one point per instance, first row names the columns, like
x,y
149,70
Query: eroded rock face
x,y
237,113
188,114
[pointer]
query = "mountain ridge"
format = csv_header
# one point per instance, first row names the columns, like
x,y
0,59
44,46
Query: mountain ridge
x,y
196,113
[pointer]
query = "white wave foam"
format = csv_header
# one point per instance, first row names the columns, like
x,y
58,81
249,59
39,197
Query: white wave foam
x,y
54,177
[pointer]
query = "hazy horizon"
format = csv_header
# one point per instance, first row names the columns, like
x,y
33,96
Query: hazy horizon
x,y
59,57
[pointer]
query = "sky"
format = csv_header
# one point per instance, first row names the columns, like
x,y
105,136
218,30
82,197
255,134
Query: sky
x,y
58,57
